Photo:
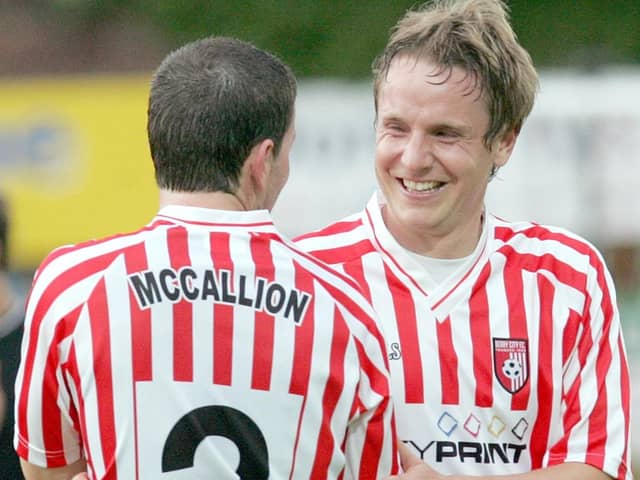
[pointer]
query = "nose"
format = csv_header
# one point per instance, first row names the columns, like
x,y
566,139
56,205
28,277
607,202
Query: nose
x,y
417,153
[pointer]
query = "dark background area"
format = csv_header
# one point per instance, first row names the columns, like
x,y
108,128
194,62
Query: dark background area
x,y
317,38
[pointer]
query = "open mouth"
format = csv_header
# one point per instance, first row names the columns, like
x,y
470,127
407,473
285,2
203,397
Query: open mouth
x,y
422,187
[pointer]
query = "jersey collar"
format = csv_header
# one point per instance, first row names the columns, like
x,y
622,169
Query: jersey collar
x,y
258,220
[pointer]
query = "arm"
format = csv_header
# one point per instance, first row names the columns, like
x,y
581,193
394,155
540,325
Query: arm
x,y
416,469
33,472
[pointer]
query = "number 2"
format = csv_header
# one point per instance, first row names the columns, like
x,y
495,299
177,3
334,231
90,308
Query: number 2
x,y
217,420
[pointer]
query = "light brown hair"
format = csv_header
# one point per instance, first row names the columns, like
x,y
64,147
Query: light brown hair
x,y
474,35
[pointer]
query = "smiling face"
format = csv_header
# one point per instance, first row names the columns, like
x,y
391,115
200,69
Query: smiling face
x,y
431,162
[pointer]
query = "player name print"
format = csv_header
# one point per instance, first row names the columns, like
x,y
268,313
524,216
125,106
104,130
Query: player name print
x,y
511,362
151,287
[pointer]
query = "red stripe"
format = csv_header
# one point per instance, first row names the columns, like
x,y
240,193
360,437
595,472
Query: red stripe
x,y
102,368
355,270
540,431
448,363
304,336
51,415
564,272
571,395
481,334
222,314
141,351
405,314
141,347
178,245
375,434
514,289
302,353
334,229
598,416
569,335
264,329
343,254
73,369
333,389
625,388
68,278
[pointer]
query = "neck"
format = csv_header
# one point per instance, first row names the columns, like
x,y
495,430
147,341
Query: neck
x,y
448,244
214,200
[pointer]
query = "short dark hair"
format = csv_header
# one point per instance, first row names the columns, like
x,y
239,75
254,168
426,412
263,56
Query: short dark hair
x,y
4,233
211,102
475,35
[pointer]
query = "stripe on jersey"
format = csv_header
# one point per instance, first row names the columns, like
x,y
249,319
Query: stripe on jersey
x,y
405,312
304,337
141,352
481,335
626,387
264,330
514,290
72,366
178,245
222,314
62,282
101,340
542,425
52,437
450,390
332,392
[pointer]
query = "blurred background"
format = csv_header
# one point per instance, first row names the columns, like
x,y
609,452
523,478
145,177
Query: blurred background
x,y
74,78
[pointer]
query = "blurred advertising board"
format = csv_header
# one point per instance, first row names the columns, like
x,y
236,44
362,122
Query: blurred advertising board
x,y
74,160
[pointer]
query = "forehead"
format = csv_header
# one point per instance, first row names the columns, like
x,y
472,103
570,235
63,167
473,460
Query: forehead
x,y
419,76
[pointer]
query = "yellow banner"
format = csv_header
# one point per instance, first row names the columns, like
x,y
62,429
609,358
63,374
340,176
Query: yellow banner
x,y
74,160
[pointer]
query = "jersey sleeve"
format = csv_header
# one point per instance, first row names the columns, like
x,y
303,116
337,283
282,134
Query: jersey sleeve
x,y
46,430
597,395
371,448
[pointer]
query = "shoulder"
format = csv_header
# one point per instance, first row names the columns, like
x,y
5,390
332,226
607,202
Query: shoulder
x,y
547,243
339,242
72,264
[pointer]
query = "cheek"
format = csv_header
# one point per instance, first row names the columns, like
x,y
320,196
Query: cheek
x,y
386,151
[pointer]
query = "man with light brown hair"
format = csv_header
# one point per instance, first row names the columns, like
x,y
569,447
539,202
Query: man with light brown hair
x,y
504,339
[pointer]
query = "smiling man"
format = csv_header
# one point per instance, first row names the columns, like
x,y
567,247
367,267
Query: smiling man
x,y
504,338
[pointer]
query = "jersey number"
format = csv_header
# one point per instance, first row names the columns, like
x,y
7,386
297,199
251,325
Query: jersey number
x,y
217,420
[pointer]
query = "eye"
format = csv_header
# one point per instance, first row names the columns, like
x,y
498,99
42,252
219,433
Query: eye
x,y
394,128
447,135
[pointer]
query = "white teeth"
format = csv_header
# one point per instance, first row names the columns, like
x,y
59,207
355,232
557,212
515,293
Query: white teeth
x,y
421,186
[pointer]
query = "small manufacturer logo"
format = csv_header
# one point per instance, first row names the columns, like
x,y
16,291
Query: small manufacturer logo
x,y
511,363
394,351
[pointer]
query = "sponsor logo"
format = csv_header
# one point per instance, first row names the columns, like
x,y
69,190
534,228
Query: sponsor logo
x,y
470,440
511,363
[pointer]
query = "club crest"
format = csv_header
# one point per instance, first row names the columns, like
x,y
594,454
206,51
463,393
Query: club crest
x,y
511,363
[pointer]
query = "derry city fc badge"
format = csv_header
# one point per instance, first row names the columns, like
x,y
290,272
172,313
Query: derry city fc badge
x,y
511,362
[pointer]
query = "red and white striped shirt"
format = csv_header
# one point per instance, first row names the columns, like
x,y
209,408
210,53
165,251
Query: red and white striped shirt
x,y
151,354
515,362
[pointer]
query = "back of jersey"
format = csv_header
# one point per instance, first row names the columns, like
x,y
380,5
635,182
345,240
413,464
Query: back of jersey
x,y
199,349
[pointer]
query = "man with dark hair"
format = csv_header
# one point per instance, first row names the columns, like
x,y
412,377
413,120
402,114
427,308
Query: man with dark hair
x,y
205,345
504,339
11,317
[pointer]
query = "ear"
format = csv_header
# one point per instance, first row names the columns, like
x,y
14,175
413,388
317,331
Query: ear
x,y
259,165
504,147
